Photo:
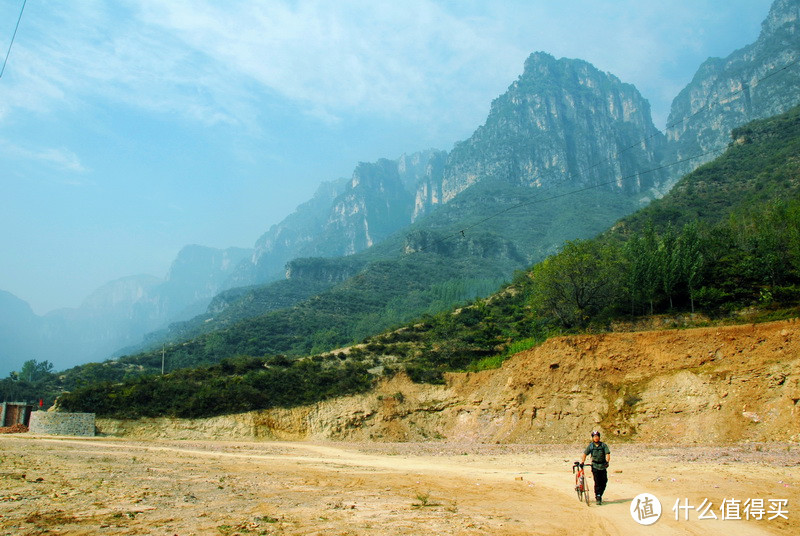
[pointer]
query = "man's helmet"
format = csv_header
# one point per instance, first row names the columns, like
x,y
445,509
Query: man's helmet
x,y
595,433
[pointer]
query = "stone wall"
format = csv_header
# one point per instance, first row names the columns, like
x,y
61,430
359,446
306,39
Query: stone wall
x,y
67,424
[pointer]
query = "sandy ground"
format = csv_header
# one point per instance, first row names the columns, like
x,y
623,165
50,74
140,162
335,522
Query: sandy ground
x,y
77,486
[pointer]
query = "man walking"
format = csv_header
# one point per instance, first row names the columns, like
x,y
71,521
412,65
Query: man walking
x,y
601,457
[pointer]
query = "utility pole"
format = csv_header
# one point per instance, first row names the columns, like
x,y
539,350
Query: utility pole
x,y
163,351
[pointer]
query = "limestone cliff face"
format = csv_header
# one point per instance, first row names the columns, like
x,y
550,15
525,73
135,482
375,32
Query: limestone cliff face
x,y
421,167
322,269
428,184
485,246
563,122
197,275
755,82
375,204
284,240
345,216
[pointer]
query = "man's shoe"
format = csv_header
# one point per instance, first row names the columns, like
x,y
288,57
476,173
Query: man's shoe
x,y
599,499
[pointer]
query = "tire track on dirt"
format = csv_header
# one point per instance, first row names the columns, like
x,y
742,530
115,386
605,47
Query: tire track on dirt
x,y
513,490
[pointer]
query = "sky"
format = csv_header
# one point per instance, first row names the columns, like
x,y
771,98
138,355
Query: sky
x,y
131,128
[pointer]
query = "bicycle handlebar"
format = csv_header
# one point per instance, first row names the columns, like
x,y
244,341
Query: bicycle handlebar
x,y
581,465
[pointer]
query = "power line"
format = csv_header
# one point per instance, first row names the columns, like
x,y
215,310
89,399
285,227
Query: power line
x,y
2,70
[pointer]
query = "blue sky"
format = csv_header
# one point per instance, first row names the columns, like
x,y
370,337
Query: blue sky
x,y
131,128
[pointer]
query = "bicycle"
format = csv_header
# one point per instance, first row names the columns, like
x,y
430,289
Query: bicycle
x,y
580,482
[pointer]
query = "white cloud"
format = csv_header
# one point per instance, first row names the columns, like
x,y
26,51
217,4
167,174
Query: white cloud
x,y
424,61
58,158
76,55
336,57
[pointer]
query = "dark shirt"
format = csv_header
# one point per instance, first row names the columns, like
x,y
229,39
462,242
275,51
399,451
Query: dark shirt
x,y
598,453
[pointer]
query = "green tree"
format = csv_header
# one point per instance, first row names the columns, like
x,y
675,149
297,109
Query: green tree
x,y
691,259
652,273
669,263
33,371
577,284
643,262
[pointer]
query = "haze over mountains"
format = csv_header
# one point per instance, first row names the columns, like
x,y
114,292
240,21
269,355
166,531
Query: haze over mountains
x,y
561,126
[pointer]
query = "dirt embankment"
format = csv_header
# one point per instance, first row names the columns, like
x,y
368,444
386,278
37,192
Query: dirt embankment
x,y
707,385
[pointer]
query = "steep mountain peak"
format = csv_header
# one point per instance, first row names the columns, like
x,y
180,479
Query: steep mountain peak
x,y
347,215
375,174
376,204
541,64
538,65
782,13
125,290
195,261
561,122
12,307
755,82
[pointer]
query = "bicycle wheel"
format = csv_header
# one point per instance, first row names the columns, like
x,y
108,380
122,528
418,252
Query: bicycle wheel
x,y
586,493
580,492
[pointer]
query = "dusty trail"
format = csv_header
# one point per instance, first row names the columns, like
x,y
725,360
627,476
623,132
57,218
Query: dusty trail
x,y
117,486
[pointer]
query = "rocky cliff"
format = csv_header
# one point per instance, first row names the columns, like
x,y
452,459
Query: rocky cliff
x,y
485,246
284,240
562,122
375,204
755,82
345,216
322,269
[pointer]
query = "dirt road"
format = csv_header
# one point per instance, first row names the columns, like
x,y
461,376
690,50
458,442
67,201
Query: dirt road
x,y
117,486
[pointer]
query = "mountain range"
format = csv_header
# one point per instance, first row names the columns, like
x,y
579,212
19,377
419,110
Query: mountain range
x,y
722,246
564,152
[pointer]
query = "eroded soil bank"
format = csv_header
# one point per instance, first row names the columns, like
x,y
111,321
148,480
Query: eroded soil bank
x,y
695,417
692,386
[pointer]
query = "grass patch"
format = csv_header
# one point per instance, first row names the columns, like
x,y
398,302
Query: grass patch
x,y
424,500
487,363
496,361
